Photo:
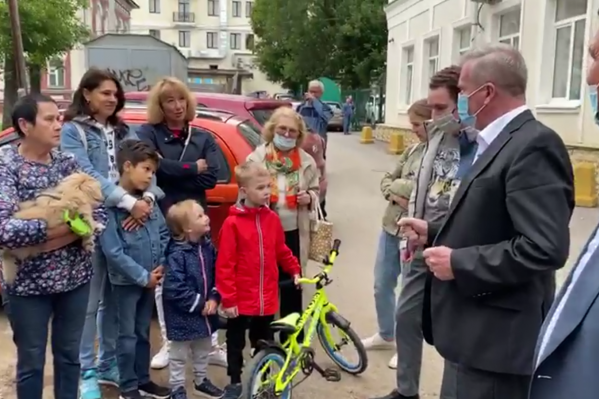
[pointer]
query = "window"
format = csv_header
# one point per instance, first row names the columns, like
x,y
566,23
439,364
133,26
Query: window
x,y
570,21
433,56
249,5
236,9
211,40
235,41
184,38
154,6
155,33
183,7
55,74
249,42
250,133
408,67
509,28
212,8
464,37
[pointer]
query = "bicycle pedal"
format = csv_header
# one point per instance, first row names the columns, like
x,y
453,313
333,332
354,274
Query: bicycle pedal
x,y
332,375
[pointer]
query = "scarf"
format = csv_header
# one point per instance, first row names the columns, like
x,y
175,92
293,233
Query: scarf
x,y
277,164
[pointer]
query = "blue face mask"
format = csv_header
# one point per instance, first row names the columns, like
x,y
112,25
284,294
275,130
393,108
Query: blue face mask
x,y
284,143
593,99
466,117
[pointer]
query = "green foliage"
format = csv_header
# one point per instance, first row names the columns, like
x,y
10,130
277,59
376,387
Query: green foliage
x,y
49,28
299,40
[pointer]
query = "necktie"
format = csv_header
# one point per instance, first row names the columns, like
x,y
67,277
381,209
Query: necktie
x,y
467,153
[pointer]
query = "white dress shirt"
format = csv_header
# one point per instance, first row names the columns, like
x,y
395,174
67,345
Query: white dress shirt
x,y
487,135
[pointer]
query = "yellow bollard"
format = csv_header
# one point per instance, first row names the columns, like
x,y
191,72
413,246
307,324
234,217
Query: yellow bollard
x,y
366,135
396,144
585,185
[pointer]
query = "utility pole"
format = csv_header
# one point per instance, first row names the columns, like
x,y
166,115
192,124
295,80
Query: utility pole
x,y
17,42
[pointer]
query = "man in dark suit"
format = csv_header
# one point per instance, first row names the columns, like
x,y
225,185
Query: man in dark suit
x,y
493,259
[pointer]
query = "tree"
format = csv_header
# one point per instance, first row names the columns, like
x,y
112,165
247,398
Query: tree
x,y
49,28
299,40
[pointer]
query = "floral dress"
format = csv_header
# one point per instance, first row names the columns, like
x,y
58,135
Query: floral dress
x,y
52,272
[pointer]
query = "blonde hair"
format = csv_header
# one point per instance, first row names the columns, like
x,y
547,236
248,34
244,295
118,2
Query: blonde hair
x,y
249,170
155,112
268,133
420,110
177,217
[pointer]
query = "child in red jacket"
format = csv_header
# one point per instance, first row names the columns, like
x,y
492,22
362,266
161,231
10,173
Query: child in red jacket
x,y
251,246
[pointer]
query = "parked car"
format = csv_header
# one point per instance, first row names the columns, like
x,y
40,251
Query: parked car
x,y
336,122
257,110
236,138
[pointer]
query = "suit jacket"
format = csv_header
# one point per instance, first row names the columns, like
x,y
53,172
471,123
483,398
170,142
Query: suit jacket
x,y
508,228
568,366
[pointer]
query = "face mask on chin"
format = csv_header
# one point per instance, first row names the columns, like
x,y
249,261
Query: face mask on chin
x,y
447,124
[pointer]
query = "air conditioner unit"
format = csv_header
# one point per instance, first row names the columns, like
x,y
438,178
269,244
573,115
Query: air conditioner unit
x,y
489,2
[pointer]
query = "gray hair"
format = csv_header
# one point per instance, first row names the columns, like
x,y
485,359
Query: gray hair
x,y
500,64
316,83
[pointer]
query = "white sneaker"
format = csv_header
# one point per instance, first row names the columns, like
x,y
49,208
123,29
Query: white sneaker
x,y
161,359
218,357
393,362
377,342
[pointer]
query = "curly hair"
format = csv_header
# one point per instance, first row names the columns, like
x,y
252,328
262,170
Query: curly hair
x,y
447,78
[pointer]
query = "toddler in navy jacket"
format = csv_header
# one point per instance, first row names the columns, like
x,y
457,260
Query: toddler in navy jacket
x,y
189,297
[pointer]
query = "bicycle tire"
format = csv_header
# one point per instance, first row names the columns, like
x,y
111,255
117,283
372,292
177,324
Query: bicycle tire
x,y
252,367
331,353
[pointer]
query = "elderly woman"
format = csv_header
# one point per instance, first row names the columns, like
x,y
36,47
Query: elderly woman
x,y
52,287
295,191
396,188
92,133
188,168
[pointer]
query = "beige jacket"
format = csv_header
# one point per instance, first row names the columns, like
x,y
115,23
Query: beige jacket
x,y
309,179
400,182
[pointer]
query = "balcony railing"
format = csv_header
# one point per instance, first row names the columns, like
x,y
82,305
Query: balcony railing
x,y
186,17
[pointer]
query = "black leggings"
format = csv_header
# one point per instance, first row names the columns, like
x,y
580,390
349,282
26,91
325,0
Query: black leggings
x,y
291,297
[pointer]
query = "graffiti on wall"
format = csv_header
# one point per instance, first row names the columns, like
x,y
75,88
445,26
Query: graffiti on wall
x,y
132,79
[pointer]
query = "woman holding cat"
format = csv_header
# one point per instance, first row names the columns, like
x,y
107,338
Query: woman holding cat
x,y
54,285
188,168
92,133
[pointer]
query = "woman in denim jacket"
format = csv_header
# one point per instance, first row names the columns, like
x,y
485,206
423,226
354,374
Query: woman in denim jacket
x,y
92,132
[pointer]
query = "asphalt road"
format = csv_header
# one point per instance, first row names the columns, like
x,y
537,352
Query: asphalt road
x,y
355,206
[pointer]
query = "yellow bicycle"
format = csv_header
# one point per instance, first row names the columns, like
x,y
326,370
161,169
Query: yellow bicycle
x,y
293,357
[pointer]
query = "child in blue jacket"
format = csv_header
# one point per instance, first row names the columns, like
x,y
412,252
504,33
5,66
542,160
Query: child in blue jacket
x,y
189,297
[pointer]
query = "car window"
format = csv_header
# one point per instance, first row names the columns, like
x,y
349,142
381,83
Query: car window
x,y
250,133
334,105
262,115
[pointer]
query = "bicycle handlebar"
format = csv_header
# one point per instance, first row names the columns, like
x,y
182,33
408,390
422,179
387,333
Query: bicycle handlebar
x,y
328,265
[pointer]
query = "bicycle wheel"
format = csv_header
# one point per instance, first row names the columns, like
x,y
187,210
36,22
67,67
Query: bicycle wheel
x,y
333,349
259,375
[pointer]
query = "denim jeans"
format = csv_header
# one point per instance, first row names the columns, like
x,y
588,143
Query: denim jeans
x,y
135,306
387,270
100,317
29,319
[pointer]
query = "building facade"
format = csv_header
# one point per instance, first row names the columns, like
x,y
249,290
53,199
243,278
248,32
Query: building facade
x,y
214,35
553,35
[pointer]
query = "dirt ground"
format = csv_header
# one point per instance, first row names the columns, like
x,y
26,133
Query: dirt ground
x,y
355,206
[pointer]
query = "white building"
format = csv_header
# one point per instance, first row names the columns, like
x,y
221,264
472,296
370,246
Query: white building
x,y
215,35
426,35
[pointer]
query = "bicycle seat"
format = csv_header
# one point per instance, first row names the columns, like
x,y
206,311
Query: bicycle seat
x,y
287,324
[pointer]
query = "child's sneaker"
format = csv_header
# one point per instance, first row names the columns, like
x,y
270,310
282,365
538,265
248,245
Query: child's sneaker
x,y
179,393
131,395
155,391
207,389
232,391
110,376
89,388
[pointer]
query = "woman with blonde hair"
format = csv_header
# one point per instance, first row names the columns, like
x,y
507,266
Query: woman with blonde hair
x,y
294,191
188,167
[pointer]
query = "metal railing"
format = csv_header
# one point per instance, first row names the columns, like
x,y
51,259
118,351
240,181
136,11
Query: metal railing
x,y
187,17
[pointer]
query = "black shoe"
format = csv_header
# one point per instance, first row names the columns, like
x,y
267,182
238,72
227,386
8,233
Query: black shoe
x,y
155,391
208,390
131,395
232,391
394,394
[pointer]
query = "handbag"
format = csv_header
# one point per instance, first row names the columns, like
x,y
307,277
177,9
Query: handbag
x,y
321,237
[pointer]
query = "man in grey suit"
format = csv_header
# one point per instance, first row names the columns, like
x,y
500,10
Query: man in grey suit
x,y
567,354
492,261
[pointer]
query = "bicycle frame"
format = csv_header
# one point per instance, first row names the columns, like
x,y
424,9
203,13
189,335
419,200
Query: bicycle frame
x,y
316,311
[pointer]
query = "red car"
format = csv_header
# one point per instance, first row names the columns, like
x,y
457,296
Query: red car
x,y
257,110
